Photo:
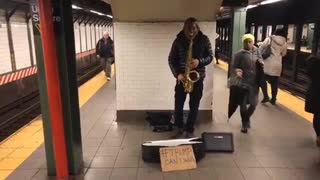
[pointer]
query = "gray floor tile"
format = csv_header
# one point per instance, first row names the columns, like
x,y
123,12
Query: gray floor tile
x,y
42,175
103,162
98,174
92,142
247,162
89,151
308,174
32,163
229,174
130,151
255,174
212,160
177,175
23,174
282,174
108,151
127,161
203,174
149,174
87,160
124,174
113,142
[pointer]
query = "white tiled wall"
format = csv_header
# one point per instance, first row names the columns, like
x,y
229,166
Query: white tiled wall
x,y
5,62
77,37
20,45
144,80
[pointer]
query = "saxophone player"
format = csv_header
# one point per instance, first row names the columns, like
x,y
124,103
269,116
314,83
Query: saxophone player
x,y
202,56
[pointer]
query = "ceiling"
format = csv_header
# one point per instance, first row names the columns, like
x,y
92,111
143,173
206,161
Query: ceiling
x,y
163,10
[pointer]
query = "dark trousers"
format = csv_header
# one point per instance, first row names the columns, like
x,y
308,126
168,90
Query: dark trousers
x,y
239,96
180,97
106,65
274,81
316,124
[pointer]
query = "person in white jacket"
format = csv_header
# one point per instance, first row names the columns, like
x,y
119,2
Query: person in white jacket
x,y
273,64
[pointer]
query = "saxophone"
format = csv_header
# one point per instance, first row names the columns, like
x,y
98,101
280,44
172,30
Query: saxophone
x,y
191,76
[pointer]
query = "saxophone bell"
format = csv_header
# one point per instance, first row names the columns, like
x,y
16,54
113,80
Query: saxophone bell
x,y
193,76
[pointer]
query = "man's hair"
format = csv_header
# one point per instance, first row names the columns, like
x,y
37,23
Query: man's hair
x,y
189,21
281,32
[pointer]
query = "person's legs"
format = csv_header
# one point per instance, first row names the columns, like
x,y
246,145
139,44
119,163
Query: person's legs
x,y
316,126
180,97
103,64
246,112
274,81
108,67
233,101
264,88
195,97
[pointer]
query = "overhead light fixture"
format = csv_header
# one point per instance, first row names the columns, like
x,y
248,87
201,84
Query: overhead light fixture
x,y
263,3
251,6
76,7
96,12
269,2
101,14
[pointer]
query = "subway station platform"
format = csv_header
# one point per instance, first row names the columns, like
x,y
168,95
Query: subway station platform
x,y
279,146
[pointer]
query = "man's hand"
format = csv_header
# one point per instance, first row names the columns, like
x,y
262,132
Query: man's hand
x,y
98,56
194,64
180,78
261,63
239,73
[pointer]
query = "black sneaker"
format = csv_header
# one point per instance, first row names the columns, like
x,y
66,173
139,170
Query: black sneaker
x,y
273,101
190,135
244,129
178,134
265,100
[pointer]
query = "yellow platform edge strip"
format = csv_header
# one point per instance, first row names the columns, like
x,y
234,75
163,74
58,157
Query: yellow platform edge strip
x,y
286,99
20,145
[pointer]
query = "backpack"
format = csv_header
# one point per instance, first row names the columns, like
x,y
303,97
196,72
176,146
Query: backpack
x,y
160,121
266,51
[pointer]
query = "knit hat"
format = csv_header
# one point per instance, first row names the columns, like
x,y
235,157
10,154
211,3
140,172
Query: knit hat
x,y
247,36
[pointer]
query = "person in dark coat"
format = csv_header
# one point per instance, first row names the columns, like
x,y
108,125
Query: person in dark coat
x,y
246,72
105,52
202,56
312,104
217,51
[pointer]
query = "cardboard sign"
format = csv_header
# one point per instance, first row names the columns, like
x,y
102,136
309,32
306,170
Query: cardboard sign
x,y
177,158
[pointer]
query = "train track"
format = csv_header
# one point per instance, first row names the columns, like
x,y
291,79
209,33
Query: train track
x,y
18,114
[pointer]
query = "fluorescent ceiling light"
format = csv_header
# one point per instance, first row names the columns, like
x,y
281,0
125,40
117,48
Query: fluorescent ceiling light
x,y
96,12
251,6
269,2
101,14
75,7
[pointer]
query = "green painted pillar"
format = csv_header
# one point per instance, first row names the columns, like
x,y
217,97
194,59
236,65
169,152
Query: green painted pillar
x,y
239,28
42,89
64,35
68,80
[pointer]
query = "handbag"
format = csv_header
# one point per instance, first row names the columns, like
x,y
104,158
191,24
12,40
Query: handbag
x,y
266,52
233,80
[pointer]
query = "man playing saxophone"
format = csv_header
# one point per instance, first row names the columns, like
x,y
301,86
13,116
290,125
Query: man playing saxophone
x,y
191,47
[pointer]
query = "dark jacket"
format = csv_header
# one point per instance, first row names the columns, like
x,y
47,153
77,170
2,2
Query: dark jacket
x,y
105,50
250,63
201,50
313,94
